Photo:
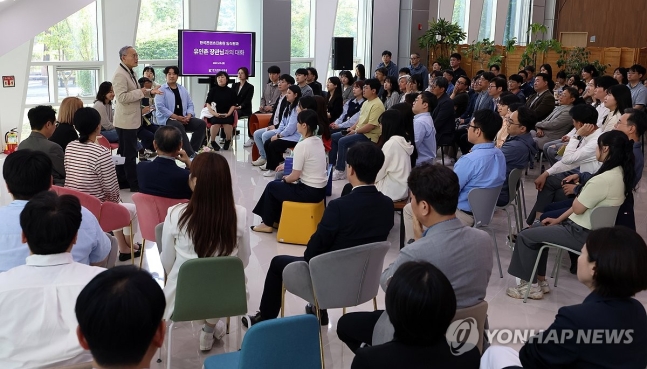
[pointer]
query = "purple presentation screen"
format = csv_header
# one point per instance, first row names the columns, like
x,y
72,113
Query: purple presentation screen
x,y
205,53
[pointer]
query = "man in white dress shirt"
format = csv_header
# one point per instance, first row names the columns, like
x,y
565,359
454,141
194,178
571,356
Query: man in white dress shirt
x,y
37,299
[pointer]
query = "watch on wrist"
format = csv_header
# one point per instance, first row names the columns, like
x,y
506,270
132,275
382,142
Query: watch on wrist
x,y
578,137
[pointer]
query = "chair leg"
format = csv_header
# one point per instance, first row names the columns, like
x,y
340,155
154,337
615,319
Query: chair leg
x,y
228,322
496,248
240,333
168,347
534,271
442,154
402,232
132,246
374,303
523,202
283,301
141,256
343,311
558,260
321,348
557,265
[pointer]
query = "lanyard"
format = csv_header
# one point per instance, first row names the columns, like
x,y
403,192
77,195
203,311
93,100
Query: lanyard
x,y
132,74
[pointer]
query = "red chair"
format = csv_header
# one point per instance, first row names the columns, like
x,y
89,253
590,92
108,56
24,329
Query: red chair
x,y
235,124
104,142
258,121
151,211
110,215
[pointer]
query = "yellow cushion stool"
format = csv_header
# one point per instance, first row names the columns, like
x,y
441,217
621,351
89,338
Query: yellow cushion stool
x,y
299,221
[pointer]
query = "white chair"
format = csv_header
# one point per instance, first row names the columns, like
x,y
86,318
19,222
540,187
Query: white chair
x,y
483,203
601,217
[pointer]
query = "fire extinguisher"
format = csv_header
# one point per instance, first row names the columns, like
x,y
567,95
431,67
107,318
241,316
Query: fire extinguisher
x,y
11,141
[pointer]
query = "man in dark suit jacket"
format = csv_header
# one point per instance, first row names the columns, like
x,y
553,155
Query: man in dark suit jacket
x,y
363,216
443,114
162,177
42,120
542,103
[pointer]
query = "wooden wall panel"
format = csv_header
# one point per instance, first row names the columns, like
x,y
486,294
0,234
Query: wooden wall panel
x,y
613,23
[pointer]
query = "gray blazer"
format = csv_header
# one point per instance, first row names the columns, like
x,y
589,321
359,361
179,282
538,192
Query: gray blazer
x,y
463,254
38,142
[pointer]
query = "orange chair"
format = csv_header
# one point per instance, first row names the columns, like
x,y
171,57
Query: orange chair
x,y
151,211
258,121
104,142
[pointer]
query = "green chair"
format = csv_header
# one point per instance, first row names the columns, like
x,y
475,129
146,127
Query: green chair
x,y
209,288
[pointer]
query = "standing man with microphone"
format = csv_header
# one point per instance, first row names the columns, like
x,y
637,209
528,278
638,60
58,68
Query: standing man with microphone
x,y
128,113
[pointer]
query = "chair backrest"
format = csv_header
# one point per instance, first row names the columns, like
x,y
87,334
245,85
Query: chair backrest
x,y
604,216
159,229
513,183
483,202
151,211
287,343
113,216
211,287
101,140
297,280
87,365
348,277
479,313
88,201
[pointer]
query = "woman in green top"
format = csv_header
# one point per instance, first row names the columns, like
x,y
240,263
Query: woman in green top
x,y
608,187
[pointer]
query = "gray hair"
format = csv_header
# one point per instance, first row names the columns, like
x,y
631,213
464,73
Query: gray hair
x,y
123,50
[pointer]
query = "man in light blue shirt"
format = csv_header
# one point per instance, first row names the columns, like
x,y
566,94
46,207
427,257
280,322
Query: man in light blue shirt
x,y
484,166
28,173
423,127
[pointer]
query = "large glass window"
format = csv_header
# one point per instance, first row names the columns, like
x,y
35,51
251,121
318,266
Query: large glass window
x,y
461,14
488,20
300,42
157,29
227,16
346,23
516,23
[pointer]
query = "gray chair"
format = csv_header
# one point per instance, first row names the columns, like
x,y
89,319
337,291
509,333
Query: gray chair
x,y
601,217
158,236
337,279
483,202
514,185
88,365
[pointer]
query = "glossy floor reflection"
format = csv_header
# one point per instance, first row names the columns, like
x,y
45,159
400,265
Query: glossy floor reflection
x,y
504,312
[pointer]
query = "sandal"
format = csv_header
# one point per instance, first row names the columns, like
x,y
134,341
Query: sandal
x,y
125,256
262,228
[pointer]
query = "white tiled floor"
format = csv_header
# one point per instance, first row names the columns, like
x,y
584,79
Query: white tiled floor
x,y
503,312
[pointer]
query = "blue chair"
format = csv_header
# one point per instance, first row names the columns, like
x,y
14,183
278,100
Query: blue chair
x,y
287,343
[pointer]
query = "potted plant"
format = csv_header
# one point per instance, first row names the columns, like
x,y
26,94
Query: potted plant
x,y
538,47
441,40
572,61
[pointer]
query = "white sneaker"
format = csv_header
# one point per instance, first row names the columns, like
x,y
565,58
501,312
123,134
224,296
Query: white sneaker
x,y
519,292
249,142
338,175
220,330
264,167
258,162
269,173
545,288
206,340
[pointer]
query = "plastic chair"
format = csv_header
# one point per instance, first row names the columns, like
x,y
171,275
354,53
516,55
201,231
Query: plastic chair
x,y
151,211
258,121
601,217
234,125
514,180
483,202
337,279
289,343
208,288
101,140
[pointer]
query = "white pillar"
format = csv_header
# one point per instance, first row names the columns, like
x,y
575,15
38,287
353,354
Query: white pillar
x,y
325,15
120,18
501,15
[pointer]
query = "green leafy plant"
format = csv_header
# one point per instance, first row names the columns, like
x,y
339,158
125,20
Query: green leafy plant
x,y
572,61
441,40
481,52
538,47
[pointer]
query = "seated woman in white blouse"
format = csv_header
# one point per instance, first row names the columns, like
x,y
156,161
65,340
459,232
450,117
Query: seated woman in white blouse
x,y
306,183
89,169
400,155
209,225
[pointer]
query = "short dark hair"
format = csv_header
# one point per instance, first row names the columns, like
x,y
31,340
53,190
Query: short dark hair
x,y
436,73
605,82
245,71
50,222
405,70
529,68
301,71
222,73
40,115
119,312
488,76
387,52
638,69
572,92
173,68
500,83
373,84
523,71
468,82
508,99
86,121
543,76
27,173
366,159
274,69
496,66
516,77
143,80
314,72
382,70
515,106
526,117
168,138
560,74
287,78
620,256
410,98
489,122
456,56
584,113
590,68
149,69
442,82
430,99
435,184
636,118
448,72
420,303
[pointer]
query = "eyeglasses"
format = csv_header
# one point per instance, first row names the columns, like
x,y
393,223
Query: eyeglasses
x,y
473,126
509,122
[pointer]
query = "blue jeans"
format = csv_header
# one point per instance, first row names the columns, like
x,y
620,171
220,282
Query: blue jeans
x,y
260,136
341,144
110,135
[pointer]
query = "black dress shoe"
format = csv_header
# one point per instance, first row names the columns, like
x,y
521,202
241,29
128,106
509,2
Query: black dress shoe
x,y
215,146
253,319
310,309
125,256
227,144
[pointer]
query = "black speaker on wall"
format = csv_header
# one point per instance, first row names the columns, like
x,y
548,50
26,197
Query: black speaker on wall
x,y
342,53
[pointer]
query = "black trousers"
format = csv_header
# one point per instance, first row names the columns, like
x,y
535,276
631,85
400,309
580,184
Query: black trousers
x,y
128,149
270,204
274,151
146,134
271,299
460,137
353,329
195,125
551,192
